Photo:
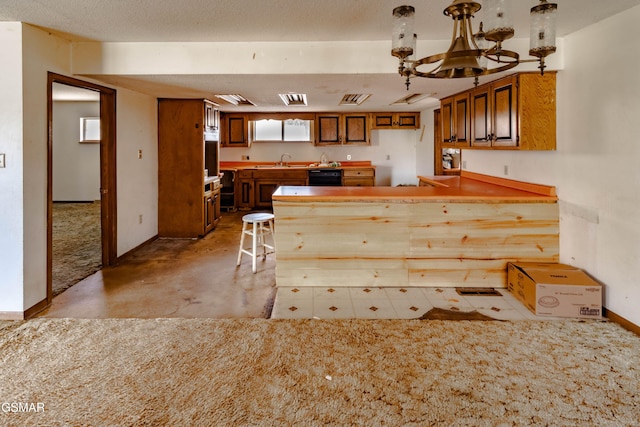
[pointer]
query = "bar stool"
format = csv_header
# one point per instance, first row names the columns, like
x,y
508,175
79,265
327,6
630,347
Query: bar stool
x,y
261,226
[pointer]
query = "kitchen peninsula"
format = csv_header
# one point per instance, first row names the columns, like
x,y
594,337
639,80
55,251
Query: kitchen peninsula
x,y
453,231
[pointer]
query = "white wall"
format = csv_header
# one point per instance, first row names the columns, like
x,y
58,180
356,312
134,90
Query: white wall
x,y
137,118
76,167
398,145
595,167
28,54
11,182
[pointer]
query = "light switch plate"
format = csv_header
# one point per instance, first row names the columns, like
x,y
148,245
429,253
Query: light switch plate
x,y
2,160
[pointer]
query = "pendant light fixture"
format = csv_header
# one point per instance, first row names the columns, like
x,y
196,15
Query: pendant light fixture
x,y
470,54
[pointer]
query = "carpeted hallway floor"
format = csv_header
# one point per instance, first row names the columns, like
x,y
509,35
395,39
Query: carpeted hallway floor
x,y
76,241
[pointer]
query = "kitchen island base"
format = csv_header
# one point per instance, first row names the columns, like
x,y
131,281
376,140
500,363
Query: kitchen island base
x,y
410,237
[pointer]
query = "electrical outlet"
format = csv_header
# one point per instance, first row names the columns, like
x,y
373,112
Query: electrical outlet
x,y
348,156
506,169
388,157
464,164
139,154
2,165
244,157
140,219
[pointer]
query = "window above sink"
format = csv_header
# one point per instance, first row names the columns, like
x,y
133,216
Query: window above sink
x,y
276,130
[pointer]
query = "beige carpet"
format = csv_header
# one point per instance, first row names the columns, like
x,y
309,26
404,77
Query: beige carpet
x,y
261,372
76,243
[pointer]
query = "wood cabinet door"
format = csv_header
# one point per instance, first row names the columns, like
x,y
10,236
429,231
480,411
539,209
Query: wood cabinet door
x,y
408,120
383,120
209,213
211,116
356,129
236,131
481,117
328,129
245,196
446,122
461,116
264,191
504,111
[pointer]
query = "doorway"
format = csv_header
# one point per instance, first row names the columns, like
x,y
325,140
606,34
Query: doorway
x,y
107,173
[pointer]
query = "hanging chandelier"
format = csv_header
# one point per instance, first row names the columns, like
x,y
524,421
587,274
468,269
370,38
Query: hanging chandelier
x,y
470,54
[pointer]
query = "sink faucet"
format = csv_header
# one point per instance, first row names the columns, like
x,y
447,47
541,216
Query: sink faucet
x,y
282,163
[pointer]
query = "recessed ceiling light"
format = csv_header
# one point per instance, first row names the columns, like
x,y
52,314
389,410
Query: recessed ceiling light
x,y
294,99
354,98
411,99
235,99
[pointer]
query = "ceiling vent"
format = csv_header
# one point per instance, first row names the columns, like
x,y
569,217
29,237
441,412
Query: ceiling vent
x,y
354,98
411,99
235,99
294,99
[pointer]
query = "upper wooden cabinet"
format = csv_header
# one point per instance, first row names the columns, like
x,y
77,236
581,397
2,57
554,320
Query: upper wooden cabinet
x,y
342,129
235,130
516,112
494,114
409,120
455,121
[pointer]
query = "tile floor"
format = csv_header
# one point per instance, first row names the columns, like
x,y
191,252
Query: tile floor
x,y
391,303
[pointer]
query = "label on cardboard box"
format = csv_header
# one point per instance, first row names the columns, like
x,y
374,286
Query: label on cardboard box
x,y
555,290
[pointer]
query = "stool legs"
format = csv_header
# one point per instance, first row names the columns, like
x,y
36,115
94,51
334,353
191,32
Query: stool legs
x,y
258,238
254,245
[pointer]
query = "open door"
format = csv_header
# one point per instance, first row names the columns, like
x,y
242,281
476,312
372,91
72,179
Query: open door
x,y
107,171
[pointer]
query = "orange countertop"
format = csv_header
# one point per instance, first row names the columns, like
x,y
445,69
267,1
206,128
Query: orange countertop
x,y
292,165
469,188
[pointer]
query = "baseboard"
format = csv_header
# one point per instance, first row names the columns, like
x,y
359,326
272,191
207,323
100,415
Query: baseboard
x,y
621,321
141,245
24,315
11,315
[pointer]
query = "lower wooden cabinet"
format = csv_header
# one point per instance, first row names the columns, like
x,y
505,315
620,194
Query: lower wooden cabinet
x,y
255,186
211,210
359,177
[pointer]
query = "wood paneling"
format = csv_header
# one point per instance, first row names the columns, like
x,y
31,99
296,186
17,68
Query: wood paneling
x,y
409,244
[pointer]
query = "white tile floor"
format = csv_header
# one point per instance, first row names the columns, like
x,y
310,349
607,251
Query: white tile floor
x,y
391,303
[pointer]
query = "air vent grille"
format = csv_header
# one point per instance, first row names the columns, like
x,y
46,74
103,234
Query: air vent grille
x,y
478,292
411,99
294,99
354,98
235,99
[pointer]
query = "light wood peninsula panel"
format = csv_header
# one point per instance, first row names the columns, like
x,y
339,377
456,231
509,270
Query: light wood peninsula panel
x,y
411,236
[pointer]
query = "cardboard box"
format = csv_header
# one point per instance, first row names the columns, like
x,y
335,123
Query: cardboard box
x,y
555,290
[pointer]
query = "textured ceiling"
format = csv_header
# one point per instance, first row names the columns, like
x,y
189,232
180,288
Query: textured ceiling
x,y
267,20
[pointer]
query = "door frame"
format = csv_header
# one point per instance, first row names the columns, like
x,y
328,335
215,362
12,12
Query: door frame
x,y
108,199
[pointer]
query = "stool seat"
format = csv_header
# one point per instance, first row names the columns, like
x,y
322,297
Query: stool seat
x,y
258,225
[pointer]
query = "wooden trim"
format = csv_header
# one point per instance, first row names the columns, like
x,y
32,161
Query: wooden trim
x,y
431,182
544,190
621,321
35,309
107,170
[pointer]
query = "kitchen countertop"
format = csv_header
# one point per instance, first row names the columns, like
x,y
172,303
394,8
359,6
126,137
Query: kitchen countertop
x,y
292,165
469,188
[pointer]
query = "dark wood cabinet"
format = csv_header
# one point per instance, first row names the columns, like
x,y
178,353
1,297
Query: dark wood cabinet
x,y
342,129
515,112
494,114
409,120
211,210
235,132
455,121
181,165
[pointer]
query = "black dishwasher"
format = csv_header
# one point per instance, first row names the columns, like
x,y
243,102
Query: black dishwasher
x,y
327,177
